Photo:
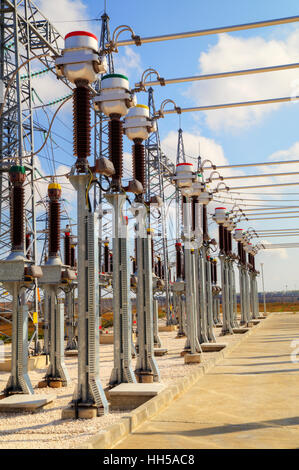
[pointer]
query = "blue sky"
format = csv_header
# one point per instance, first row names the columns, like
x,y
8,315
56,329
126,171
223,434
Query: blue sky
x,y
234,136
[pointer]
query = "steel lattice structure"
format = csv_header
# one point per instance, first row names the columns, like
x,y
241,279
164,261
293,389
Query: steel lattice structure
x,y
24,33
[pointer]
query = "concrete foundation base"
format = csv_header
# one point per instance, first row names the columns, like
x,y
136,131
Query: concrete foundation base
x,y
84,412
160,351
168,328
34,362
129,396
192,358
106,338
255,321
24,402
71,352
184,352
50,383
261,317
239,331
212,347
144,377
219,325
180,335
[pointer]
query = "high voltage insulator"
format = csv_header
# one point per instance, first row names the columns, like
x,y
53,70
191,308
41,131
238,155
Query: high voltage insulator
x,y
17,178
81,123
67,246
54,193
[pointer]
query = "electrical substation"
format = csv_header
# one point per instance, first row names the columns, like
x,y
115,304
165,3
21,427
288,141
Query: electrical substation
x,y
172,302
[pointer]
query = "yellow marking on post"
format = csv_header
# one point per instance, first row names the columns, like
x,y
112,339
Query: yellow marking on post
x,y
34,318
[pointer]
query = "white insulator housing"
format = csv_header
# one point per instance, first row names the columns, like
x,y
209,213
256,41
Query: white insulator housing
x,y
220,215
138,124
80,59
194,190
205,197
114,96
248,248
238,235
231,225
184,175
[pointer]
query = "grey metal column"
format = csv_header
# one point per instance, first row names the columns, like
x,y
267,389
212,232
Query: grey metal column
x,y
89,391
226,328
46,323
157,341
247,295
19,381
210,332
122,315
191,282
57,369
202,310
72,344
146,366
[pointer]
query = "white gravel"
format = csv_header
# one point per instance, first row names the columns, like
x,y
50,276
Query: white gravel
x,y
46,430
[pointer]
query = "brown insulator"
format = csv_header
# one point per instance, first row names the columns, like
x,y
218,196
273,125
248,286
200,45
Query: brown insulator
x,y
215,272
221,238
205,223
17,219
212,272
193,212
73,256
116,149
240,251
139,162
81,124
134,266
253,263
178,248
54,228
67,248
111,262
106,257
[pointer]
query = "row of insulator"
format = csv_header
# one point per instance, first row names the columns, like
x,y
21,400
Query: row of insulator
x,y
251,261
213,266
241,254
108,260
225,240
17,207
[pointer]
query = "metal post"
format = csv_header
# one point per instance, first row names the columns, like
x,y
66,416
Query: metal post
x,y
122,315
57,370
89,391
146,367
210,332
19,381
264,296
157,341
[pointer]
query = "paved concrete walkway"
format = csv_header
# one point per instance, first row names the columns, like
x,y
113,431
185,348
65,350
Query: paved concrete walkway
x,y
249,400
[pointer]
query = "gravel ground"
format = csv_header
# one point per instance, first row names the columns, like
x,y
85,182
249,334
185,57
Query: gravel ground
x,y
46,430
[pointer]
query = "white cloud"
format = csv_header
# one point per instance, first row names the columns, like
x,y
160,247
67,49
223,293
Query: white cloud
x,y
236,53
128,62
66,15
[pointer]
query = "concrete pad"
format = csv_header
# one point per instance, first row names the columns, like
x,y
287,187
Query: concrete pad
x,y
24,402
219,325
34,362
179,336
240,330
106,338
128,396
168,328
160,351
212,347
255,321
192,358
71,352
84,412
144,377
